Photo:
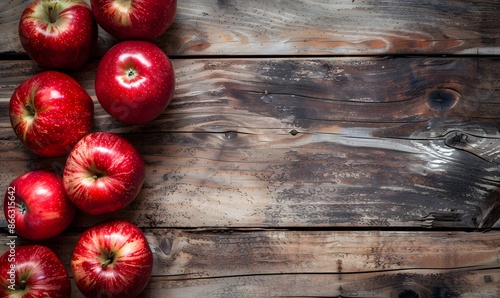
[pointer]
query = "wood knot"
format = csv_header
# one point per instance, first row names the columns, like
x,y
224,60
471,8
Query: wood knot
x,y
457,140
488,279
408,294
442,99
230,135
166,245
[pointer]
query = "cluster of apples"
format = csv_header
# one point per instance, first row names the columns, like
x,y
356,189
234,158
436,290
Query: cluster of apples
x,y
52,115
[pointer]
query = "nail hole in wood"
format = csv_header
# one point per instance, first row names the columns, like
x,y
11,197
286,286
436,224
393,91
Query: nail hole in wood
x,y
293,132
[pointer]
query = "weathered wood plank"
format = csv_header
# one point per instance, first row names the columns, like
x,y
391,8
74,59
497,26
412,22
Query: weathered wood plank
x,y
396,98
308,142
464,283
256,263
399,98
304,145
212,180
308,27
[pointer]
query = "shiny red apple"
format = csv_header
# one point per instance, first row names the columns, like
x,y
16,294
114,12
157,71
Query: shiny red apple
x,y
112,259
58,34
36,205
50,112
32,271
103,173
135,81
134,19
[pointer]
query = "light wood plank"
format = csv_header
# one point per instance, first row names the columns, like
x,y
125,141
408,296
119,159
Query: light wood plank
x,y
250,263
308,142
308,27
402,284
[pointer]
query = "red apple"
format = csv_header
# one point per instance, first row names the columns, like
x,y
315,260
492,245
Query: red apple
x,y
103,173
50,112
134,19
36,206
32,271
58,34
112,259
135,81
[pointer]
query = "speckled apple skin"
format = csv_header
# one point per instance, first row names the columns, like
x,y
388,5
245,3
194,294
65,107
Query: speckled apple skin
x,y
132,264
66,43
64,113
138,19
135,81
40,267
103,173
48,210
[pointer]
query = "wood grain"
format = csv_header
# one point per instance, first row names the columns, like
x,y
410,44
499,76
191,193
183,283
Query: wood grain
x,y
250,263
313,149
238,27
366,142
403,284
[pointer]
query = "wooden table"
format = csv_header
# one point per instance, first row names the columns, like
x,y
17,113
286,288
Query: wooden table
x,y
313,148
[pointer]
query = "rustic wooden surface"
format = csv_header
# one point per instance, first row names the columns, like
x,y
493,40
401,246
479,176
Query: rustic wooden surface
x,y
308,27
306,153
267,262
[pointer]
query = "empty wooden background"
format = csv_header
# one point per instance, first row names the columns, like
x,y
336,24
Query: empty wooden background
x,y
313,148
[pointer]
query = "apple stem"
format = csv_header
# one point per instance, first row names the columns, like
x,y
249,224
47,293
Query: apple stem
x,y
109,260
52,18
131,74
22,286
30,109
22,208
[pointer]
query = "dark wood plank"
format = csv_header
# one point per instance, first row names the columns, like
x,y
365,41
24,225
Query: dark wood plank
x,y
364,142
240,27
256,263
